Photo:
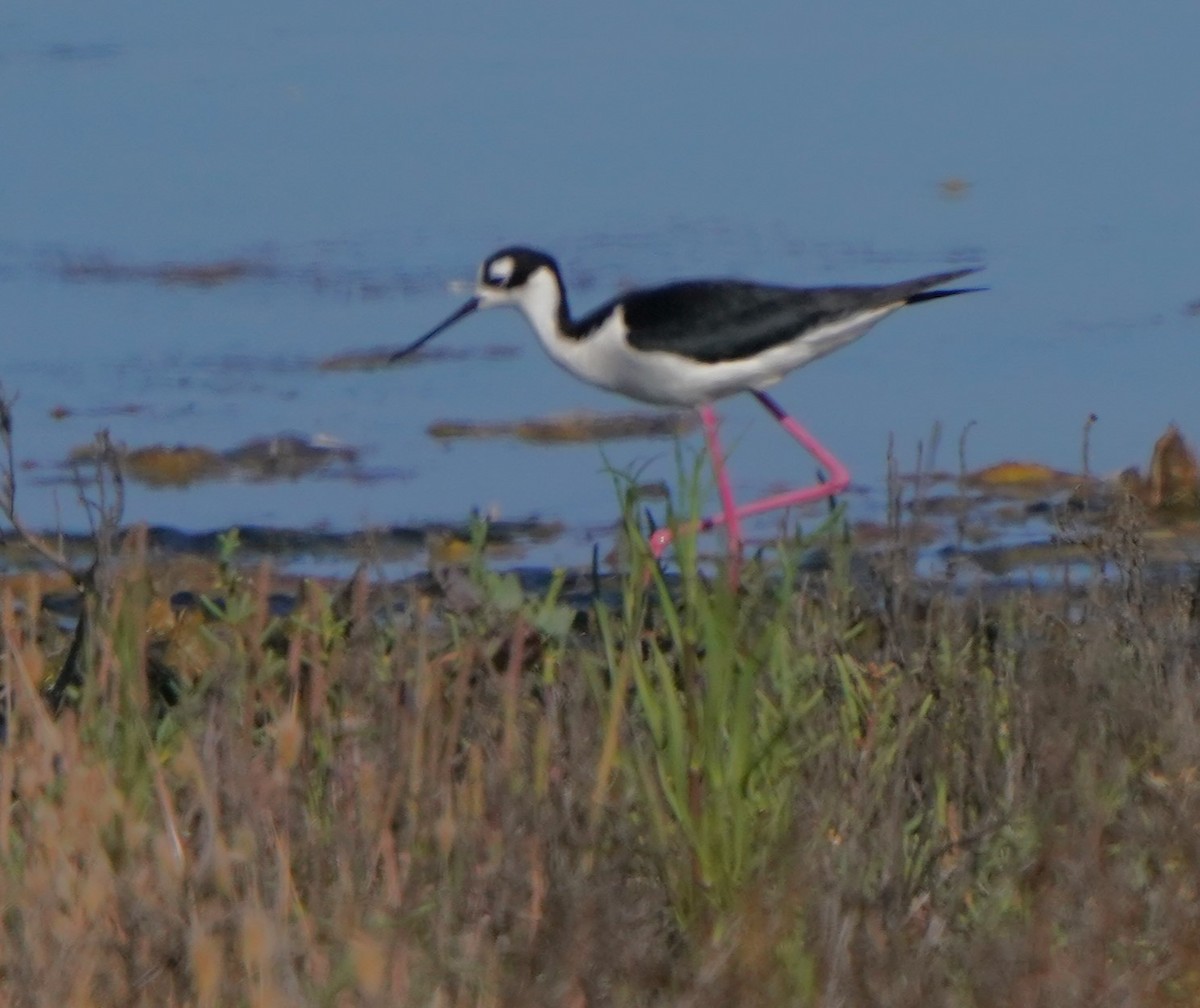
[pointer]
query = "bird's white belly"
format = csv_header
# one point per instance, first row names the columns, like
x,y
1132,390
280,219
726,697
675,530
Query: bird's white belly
x,y
605,358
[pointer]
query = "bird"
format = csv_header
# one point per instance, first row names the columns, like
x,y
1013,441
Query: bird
x,y
692,342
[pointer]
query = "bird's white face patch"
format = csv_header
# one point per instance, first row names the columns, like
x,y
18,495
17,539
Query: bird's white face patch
x,y
499,271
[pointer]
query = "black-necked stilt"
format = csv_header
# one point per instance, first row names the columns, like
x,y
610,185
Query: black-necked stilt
x,y
693,342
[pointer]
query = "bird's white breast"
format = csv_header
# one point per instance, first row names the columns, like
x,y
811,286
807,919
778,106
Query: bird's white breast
x,y
606,359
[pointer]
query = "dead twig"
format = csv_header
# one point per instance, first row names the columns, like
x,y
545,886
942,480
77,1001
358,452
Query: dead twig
x,y
102,495
8,500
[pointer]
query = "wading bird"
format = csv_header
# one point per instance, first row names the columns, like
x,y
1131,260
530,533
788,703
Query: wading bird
x,y
696,341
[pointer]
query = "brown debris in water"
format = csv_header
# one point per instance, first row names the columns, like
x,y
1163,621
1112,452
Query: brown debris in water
x,y
1021,477
187,274
381,357
954,187
571,428
180,465
286,456
61,412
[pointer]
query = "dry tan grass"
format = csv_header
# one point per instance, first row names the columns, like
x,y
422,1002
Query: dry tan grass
x,y
1000,806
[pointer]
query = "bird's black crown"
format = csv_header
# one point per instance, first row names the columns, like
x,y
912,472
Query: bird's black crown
x,y
511,267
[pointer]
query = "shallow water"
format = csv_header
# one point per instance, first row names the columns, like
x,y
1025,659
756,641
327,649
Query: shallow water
x,y
360,160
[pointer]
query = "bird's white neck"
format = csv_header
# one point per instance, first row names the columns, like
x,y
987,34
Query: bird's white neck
x,y
543,304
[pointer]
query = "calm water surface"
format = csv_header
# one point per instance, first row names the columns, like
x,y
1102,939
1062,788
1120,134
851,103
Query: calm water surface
x,y
365,157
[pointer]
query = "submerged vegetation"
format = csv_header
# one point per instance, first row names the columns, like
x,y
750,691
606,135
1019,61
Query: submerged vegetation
x,y
808,789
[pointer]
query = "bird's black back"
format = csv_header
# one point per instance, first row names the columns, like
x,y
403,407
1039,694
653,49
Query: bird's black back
x,y
723,320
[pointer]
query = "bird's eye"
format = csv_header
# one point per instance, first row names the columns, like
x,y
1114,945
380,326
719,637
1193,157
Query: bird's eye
x,y
500,271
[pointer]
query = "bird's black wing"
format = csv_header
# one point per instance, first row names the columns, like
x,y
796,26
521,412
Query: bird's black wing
x,y
723,320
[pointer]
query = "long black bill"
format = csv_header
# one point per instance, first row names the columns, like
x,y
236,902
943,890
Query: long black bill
x,y
462,313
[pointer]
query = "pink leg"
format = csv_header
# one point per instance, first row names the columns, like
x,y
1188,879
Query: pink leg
x,y
733,527
839,479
